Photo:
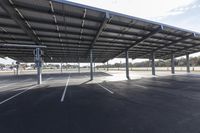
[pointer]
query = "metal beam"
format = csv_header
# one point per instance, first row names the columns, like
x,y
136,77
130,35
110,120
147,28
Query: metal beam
x,y
187,48
174,42
15,15
141,40
23,46
101,28
127,65
172,64
59,23
45,10
178,53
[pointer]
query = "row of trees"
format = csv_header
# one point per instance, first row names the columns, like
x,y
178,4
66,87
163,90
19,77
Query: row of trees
x,y
57,66
194,61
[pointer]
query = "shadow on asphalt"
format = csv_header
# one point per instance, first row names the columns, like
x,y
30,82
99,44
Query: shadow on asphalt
x,y
145,105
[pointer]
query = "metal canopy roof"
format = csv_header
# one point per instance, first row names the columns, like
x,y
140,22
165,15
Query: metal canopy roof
x,y
69,30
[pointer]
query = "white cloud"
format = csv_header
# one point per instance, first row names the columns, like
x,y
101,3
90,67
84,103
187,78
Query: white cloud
x,y
140,8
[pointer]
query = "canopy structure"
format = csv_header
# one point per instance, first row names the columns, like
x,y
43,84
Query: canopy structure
x,y
68,31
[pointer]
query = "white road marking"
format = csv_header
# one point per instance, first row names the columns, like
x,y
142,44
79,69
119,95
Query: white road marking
x,y
63,95
17,94
141,86
103,87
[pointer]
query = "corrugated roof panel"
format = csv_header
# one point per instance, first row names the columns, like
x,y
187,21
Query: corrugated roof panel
x,y
42,25
65,26
34,3
7,21
36,14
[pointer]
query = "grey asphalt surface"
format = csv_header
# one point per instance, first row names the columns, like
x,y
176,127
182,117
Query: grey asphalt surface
x,y
167,104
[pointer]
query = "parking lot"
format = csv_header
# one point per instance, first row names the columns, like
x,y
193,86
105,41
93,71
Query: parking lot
x,y
70,102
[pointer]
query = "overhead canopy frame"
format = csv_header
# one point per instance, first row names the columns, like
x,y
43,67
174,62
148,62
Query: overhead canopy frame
x,y
69,30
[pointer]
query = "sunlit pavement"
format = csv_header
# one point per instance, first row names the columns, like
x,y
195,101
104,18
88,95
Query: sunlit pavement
x,y
70,102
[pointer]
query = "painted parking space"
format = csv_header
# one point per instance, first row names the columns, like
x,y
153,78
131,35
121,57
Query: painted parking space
x,y
134,106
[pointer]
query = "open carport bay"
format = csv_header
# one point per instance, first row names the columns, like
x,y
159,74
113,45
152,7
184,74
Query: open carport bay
x,y
57,31
70,102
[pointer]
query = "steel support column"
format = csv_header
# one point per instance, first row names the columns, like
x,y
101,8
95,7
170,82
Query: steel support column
x,y
94,67
39,75
172,64
61,68
153,63
91,65
17,67
127,65
79,69
188,62
107,65
38,63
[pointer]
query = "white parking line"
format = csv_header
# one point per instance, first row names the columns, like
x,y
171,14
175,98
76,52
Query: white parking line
x,y
103,87
63,95
141,86
17,94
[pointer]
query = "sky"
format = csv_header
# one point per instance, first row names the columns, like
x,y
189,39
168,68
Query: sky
x,y
180,13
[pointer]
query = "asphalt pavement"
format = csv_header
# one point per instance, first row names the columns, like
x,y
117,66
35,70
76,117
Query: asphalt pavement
x,y
71,103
